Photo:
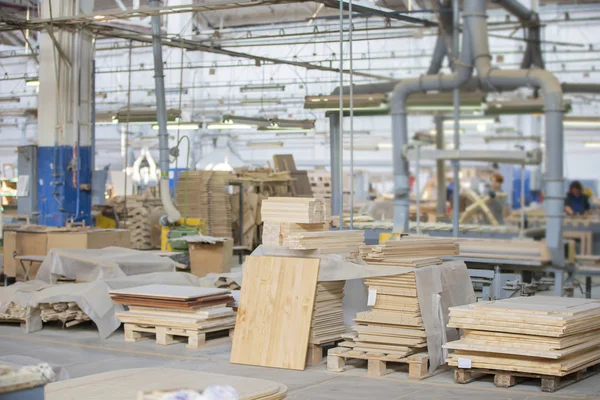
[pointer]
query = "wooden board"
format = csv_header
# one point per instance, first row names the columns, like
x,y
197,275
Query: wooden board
x,y
170,292
275,312
125,384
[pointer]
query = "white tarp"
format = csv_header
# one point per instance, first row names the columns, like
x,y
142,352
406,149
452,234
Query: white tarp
x,y
438,287
93,264
91,297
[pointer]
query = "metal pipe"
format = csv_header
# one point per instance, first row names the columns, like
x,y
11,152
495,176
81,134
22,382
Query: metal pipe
x,y
334,152
476,29
580,87
173,214
456,103
440,165
75,103
461,76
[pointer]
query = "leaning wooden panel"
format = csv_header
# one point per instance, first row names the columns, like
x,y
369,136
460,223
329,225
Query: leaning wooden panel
x,y
275,312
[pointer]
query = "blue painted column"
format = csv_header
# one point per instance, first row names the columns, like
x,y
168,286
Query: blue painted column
x,y
64,116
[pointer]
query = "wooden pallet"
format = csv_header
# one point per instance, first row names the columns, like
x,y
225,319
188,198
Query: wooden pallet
x,y
505,379
166,336
315,353
377,365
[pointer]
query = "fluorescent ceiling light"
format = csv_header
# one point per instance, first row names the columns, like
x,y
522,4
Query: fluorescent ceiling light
x,y
520,106
362,148
32,82
262,88
260,101
97,17
385,145
447,131
182,126
360,102
143,116
10,99
222,126
582,122
291,124
592,144
445,108
264,145
471,121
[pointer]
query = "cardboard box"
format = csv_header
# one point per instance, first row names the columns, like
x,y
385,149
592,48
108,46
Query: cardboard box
x,y
206,258
40,242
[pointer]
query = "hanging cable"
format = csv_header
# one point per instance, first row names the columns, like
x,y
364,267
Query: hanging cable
x,y
341,124
350,27
126,155
187,167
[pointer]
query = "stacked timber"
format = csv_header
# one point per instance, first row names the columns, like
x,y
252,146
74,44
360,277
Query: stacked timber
x,y
167,312
274,233
520,250
202,194
328,316
68,313
299,210
409,251
393,328
140,214
347,241
543,335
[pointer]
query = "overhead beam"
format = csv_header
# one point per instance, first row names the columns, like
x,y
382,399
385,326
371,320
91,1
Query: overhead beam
x,y
356,8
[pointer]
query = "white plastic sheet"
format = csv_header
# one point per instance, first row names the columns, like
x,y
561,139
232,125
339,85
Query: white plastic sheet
x,y
92,297
93,264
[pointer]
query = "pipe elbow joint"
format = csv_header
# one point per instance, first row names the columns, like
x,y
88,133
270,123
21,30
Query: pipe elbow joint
x,y
399,96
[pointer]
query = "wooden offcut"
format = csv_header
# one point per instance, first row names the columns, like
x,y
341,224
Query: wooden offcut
x,y
275,312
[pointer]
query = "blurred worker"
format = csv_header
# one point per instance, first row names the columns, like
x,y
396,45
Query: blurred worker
x,y
576,202
497,203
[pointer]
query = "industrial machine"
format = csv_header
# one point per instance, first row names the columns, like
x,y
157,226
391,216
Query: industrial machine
x,y
181,228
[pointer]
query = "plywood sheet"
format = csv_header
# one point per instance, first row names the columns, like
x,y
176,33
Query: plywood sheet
x,y
158,291
125,384
275,312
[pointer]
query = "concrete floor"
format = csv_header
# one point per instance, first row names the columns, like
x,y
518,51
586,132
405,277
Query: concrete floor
x,y
82,352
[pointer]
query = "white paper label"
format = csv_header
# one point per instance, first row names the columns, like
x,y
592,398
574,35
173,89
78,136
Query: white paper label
x,y
23,186
372,297
464,362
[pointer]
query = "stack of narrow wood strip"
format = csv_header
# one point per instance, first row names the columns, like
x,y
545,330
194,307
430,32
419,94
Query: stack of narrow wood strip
x,y
299,210
206,199
14,313
175,311
346,239
539,334
328,316
274,232
528,250
68,313
394,327
409,251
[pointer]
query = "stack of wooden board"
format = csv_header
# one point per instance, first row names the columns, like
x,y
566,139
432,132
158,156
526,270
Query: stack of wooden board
x,y
391,332
206,199
298,210
550,336
14,313
274,233
346,240
409,251
393,327
328,317
527,250
167,311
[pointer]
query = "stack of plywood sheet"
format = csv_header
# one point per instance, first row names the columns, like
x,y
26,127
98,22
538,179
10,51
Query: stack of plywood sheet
x,y
298,210
552,336
409,251
168,311
206,199
274,233
393,327
527,250
391,332
346,240
328,317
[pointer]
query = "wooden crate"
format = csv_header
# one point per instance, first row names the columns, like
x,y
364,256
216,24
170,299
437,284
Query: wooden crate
x,y
505,379
377,365
166,336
